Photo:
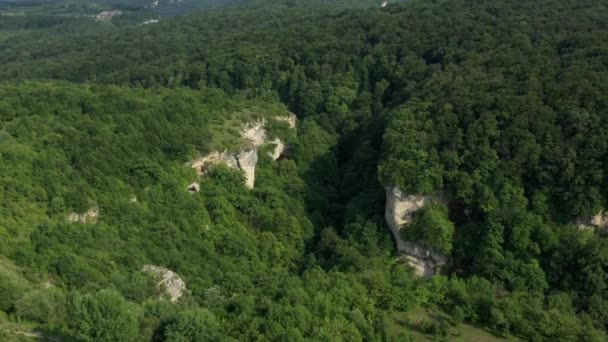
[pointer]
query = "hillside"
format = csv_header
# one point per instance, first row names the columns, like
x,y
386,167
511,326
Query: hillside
x,y
300,171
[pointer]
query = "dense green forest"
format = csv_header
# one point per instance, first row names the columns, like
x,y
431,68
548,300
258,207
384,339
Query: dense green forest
x,y
499,108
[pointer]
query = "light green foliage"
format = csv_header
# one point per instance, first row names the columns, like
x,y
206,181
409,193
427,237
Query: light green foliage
x,y
500,105
103,316
43,306
194,325
432,227
411,162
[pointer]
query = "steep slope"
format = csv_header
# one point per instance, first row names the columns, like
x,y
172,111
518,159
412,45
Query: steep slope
x,y
486,121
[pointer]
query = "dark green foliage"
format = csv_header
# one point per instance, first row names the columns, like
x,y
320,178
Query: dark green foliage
x,y
103,316
43,306
497,107
194,325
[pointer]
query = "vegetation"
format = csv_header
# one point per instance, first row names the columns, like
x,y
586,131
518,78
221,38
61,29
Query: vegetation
x,y
497,106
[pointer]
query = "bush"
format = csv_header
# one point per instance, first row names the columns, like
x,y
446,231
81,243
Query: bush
x,y
194,325
43,306
103,316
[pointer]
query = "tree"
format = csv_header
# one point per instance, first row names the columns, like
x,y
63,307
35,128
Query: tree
x,y
43,306
432,227
103,316
194,325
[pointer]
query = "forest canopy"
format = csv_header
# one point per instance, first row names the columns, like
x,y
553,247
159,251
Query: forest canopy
x,y
497,109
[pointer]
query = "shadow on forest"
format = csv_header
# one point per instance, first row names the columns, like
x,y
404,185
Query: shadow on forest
x,y
342,184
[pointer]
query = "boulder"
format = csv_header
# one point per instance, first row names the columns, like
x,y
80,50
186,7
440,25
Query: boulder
x,y
167,281
194,187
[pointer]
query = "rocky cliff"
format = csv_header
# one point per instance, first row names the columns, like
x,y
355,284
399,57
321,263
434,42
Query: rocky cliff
x,y
255,136
399,211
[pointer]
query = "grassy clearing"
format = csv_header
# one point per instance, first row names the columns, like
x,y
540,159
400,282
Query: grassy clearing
x,y
415,324
11,331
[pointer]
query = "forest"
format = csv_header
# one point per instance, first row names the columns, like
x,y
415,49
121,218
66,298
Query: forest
x,y
496,109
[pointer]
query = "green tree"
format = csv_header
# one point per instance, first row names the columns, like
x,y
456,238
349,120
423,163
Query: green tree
x,y
103,316
194,325
433,228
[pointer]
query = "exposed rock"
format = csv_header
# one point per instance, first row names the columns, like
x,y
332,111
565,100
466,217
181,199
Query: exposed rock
x,y
278,150
246,159
167,281
203,164
399,211
194,187
291,119
600,220
255,133
150,21
384,3
90,216
133,199
107,16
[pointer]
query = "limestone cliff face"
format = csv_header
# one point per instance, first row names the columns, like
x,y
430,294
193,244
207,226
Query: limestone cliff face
x,y
167,281
254,133
246,161
278,150
399,211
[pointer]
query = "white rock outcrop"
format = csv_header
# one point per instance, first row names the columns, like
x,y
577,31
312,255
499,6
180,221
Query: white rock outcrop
x,y
167,281
107,16
254,133
194,187
290,118
90,216
246,161
202,165
278,150
399,211
599,220
384,3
